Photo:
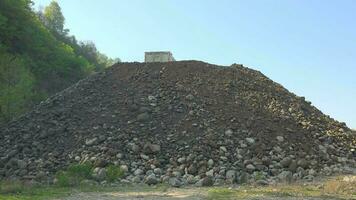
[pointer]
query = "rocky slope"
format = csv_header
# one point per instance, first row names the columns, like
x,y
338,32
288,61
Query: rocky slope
x,y
180,122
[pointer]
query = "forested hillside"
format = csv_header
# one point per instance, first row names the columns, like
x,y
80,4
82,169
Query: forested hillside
x,y
38,57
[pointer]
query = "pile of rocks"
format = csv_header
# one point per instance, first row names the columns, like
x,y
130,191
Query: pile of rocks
x,y
185,122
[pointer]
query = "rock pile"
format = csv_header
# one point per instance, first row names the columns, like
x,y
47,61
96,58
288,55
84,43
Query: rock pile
x,y
184,122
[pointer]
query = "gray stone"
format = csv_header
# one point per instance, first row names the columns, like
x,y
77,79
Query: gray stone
x,y
149,172
210,162
285,162
219,182
101,175
190,179
41,176
145,157
205,182
322,149
151,148
280,138
143,117
136,179
250,140
303,163
177,174
124,168
181,160
250,167
309,178
119,156
135,148
285,176
174,182
293,166
151,180
222,148
21,164
151,98
157,171
12,153
192,169
231,176
90,142
311,172
189,97
100,163
242,177
262,182
277,149
77,158
138,172
229,132
210,173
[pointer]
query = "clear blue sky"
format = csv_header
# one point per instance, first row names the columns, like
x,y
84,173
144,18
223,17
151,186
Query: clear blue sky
x,y
307,46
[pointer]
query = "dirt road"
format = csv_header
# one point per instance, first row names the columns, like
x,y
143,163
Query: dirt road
x,y
173,194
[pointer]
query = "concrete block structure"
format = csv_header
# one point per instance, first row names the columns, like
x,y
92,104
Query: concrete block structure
x,y
159,56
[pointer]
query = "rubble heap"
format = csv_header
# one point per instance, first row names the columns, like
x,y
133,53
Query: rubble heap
x,y
184,122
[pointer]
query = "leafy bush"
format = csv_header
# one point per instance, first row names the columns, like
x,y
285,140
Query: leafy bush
x,y
113,173
11,187
74,175
259,176
63,179
80,170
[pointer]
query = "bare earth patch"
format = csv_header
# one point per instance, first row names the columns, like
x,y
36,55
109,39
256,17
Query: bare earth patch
x,y
171,194
343,187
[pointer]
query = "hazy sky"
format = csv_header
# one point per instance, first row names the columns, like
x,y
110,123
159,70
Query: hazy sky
x,y
307,46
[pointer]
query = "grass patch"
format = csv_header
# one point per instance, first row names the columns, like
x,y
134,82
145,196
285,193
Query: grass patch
x,y
113,173
74,175
80,170
54,191
11,187
15,190
336,188
341,186
221,193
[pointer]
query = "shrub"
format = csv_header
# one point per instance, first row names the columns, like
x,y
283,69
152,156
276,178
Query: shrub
x,y
259,176
80,170
11,187
63,179
74,175
113,173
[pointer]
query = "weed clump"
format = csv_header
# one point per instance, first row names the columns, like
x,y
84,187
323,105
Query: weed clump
x,y
74,175
13,187
80,170
113,173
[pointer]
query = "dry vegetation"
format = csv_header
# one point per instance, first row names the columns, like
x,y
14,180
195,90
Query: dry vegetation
x,y
342,187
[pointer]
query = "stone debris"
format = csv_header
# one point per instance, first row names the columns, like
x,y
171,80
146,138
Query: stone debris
x,y
185,122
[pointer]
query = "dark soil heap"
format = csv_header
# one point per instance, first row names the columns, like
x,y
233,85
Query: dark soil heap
x,y
189,120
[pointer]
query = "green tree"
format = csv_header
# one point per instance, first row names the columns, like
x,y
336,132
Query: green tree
x,y
16,84
54,18
37,56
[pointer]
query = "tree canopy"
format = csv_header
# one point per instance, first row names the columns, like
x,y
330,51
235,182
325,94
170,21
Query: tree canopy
x,y
38,57
54,18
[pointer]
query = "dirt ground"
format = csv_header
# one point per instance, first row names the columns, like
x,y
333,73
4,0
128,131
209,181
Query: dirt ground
x,y
177,194
337,188
174,194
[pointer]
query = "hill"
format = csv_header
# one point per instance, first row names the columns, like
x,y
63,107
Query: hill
x,y
189,120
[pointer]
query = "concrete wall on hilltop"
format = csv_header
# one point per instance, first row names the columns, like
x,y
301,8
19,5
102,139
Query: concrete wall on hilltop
x,y
159,56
